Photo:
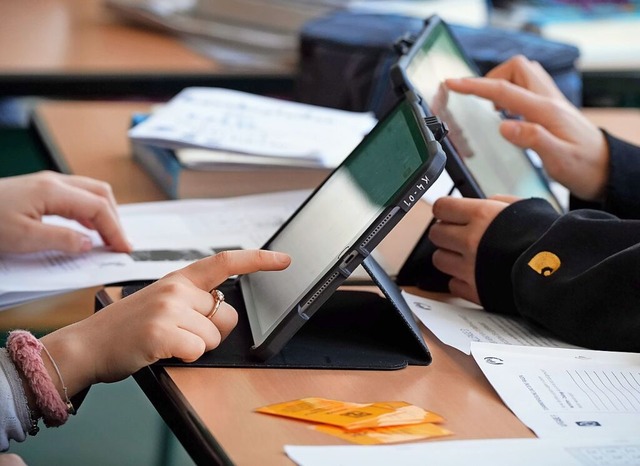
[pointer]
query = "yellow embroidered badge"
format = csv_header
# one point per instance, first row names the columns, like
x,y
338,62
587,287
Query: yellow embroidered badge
x,y
545,263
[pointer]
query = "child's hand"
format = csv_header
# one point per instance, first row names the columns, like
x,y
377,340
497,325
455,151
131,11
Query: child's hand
x,y
573,150
26,198
166,319
457,234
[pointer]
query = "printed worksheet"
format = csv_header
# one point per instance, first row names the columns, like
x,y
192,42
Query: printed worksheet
x,y
461,323
574,393
165,236
503,452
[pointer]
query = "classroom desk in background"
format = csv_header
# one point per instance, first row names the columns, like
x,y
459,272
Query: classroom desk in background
x,y
211,410
79,48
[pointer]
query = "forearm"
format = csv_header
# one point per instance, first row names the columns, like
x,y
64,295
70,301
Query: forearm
x,y
75,361
32,384
592,298
511,233
586,294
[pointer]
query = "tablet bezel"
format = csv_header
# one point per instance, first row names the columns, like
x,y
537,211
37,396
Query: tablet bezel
x,y
339,270
461,175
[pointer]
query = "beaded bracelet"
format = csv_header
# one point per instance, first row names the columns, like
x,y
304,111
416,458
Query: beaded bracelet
x,y
25,351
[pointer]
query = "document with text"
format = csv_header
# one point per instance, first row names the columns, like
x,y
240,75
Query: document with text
x,y
458,325
566,392
499,452
165,236
244,123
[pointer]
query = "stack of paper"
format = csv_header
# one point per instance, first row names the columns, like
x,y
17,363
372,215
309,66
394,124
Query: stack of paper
x,y
273,130
209,142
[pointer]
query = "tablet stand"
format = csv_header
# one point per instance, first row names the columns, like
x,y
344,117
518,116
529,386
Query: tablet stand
x,y
352,330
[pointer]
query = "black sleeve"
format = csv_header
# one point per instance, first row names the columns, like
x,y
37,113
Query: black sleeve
x,y
577,274
622,193
511,233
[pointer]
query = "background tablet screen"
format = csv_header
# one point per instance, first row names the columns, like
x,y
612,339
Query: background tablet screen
x,y
332,220
497,166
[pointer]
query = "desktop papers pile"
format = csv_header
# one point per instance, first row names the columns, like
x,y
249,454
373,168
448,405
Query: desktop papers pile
x,y
212,142
555,388
273,130
165,236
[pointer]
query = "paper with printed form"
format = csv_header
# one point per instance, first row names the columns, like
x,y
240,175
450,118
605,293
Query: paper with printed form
x,y
165,236
459,325
498,452
243,123
566,392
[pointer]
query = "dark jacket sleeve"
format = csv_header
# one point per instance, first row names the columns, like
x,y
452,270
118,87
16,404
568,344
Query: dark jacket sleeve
x,y
622,193
576,274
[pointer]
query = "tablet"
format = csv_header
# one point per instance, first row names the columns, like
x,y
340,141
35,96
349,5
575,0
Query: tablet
x,y
338,226
480,161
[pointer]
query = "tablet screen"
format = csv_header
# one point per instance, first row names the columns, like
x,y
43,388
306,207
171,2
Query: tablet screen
x,y
497,166
335,216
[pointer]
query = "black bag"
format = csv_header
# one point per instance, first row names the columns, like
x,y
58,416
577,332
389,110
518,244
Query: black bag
x,y
345,58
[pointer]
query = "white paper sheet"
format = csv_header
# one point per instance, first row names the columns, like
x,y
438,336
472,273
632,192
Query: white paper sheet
x,y
165,236
216,118
504,452
573,393
459,325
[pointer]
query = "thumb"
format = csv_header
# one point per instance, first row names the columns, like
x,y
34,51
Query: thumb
x,y
45,236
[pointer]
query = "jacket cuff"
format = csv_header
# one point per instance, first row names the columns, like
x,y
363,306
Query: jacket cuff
x,y
514,230
621,196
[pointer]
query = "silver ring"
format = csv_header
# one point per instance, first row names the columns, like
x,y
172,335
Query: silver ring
x,y
218,299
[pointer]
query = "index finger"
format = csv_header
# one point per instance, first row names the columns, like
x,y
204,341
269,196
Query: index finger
x,y
212,271
527,74
79,204
510,97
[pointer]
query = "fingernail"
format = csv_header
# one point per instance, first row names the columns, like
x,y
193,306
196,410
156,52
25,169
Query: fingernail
x,y
511,129
282,257
85,244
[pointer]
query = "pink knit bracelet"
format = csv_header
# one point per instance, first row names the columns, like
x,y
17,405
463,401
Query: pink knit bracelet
x,y
25,351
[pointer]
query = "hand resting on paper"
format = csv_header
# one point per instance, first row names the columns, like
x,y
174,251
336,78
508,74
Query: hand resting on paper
x,y
27,198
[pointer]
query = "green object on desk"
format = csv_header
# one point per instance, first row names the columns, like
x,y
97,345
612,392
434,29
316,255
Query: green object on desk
x,y
27,149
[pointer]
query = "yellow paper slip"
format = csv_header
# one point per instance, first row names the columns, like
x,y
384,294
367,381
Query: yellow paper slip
x,y
352,416
382,435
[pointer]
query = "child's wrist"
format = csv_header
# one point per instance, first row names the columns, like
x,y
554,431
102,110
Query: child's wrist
x,y
25,351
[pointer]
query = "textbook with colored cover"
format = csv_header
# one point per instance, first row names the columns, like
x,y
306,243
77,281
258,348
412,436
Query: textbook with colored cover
x,y
224,180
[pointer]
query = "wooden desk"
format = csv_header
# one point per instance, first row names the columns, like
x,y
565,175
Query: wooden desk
x,y
80,48
212,409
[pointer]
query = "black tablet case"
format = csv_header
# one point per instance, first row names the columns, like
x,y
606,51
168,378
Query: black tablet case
x,y
352,330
